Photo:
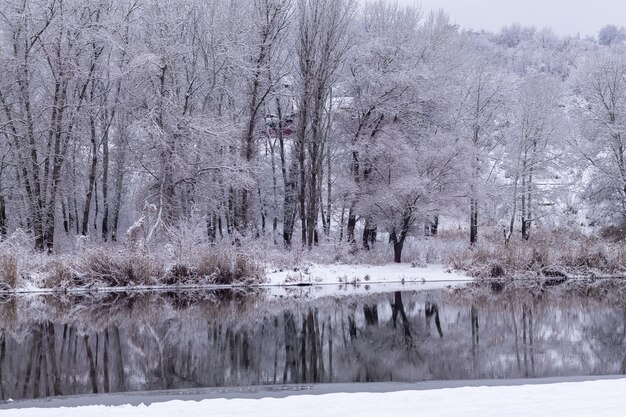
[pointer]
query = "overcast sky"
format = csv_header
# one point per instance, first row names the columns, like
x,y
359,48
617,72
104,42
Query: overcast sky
x,y
566,17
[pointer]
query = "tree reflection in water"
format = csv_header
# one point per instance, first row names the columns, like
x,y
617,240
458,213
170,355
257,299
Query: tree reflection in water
x,y
53,345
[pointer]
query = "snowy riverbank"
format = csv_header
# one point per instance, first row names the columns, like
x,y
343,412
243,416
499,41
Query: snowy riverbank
x,y
567,399
326,279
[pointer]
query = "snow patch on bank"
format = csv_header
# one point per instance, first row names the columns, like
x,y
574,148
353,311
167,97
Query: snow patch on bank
x,y
366,274
319,280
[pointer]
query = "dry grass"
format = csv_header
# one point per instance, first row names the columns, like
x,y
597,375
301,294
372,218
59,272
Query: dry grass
x,y
180,273
227,268
107,267
614,233
577,255
117,269
216,265
62,274
8,272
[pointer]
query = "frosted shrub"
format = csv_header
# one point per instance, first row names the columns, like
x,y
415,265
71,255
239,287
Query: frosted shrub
x,y
18,258
8,272
117,269
142,270
186,237
62,274
179,273
227,267
559,251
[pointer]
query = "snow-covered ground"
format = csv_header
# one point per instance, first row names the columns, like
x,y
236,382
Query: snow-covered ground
x,y
601,398
341,279
366,274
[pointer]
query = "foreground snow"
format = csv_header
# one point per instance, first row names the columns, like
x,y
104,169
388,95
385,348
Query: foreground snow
x,y
569,399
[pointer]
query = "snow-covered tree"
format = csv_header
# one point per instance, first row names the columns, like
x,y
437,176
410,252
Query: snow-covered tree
x,y
601,142
534,125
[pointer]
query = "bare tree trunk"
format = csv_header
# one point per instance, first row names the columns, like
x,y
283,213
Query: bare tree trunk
x,y
369,233
342,216
302,187
351,226
167,207
120,161
92,173
513,212
398,238
105,183
2,355
3,218
289,182
272,147
329,185
527,222
434,226
473,221
21,162
36,203
248,147
58,157
523,196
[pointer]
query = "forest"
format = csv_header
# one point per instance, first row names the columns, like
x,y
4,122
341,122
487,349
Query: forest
x,y
294,125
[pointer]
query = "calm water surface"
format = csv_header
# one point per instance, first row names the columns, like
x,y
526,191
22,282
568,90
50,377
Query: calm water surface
x,y
53,345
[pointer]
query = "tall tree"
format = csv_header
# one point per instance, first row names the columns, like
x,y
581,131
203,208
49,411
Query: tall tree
x,y
321,46
480,105
535,119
